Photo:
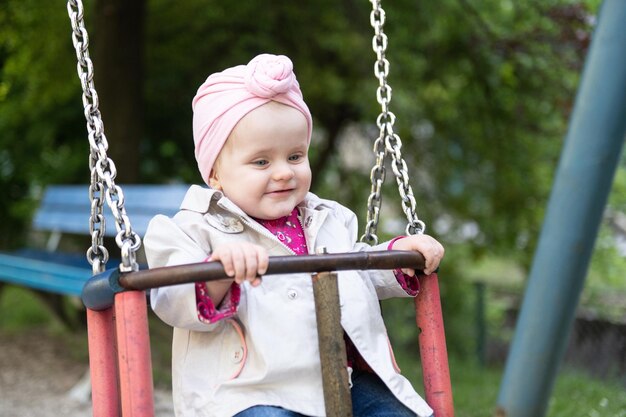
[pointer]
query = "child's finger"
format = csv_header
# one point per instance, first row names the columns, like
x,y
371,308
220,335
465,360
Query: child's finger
x,y
251,265
263,260
245,266
226,259
432,262
427,263
231,260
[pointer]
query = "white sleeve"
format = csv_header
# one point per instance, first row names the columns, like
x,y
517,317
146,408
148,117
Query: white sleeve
x,y
166,244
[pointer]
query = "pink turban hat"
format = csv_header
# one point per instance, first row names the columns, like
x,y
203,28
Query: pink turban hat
x,y
227,96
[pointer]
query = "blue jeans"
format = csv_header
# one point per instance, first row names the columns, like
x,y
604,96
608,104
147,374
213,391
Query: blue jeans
x,y
370,398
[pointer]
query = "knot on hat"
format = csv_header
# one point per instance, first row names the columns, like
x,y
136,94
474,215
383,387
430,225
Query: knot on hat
x,y
268,75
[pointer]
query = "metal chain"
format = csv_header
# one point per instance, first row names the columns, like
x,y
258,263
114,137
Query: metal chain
x,y
377,176
102,168
387,142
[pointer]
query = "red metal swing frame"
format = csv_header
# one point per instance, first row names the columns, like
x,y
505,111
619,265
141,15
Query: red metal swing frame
x,y
120,358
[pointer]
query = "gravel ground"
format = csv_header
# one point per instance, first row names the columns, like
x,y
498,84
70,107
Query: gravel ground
x,y
37,373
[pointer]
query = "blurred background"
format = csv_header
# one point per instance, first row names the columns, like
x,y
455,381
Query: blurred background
x,y
482,91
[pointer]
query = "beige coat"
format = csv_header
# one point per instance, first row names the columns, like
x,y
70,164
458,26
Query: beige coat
x,y
268,353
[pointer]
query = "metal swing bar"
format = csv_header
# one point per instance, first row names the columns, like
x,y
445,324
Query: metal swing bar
x,y
100,289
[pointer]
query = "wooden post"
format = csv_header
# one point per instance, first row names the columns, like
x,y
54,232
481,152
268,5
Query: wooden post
x,y
337,399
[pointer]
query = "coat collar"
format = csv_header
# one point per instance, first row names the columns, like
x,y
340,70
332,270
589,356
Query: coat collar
x,y
313,210
200,199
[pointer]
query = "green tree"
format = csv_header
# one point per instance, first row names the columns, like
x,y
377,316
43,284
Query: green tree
x,y
118,55
39,109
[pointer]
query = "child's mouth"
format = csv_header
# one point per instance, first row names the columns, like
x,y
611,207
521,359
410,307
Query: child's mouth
x,y
281,192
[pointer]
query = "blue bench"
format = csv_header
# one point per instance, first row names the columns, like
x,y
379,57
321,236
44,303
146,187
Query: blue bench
x,y
65,209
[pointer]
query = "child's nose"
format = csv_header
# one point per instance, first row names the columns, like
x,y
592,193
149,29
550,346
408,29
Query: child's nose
x,y
283,172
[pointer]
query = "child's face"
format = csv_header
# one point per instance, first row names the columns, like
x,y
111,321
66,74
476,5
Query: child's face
x,y
264,165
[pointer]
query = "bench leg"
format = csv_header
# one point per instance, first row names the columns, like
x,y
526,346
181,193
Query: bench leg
x,y
102,363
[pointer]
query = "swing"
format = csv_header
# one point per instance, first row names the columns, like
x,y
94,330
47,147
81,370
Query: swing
x,y
115,298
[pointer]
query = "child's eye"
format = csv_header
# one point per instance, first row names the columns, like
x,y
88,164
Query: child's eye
x,y
295,157
261,162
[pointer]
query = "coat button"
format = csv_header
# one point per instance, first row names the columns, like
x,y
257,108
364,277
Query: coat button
x,y
292,294
237,355
224,223
232,225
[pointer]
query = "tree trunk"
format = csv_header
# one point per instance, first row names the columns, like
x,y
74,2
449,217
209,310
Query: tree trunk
x,y
118,62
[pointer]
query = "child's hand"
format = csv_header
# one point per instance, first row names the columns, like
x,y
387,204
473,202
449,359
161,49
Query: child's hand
x,y
431,250
243,261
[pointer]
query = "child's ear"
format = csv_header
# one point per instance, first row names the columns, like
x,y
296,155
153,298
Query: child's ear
x,y
214,182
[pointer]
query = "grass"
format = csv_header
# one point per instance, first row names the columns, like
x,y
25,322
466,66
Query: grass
x,y
475,388
21,309
577,394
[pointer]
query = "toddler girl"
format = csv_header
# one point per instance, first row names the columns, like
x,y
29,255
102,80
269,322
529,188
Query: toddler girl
x,y
247,346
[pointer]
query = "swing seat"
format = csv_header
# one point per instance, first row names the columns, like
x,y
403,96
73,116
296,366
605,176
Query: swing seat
x,y
65,209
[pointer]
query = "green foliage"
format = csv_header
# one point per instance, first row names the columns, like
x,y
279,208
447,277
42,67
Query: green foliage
x,y
482,91
188,41
605,291
497,91
40,116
